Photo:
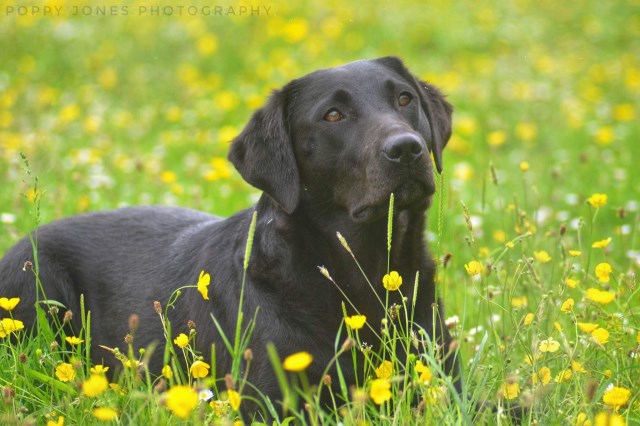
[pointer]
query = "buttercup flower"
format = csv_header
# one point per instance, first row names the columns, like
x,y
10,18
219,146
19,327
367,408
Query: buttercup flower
x,y
297,362
59,422
167,371
181,400
542,376
603,270
424,372
528,319
203,284
607,418
474,267
99,369
601,243
95,385
571,282
392,281
577,367
519,302
616,397
9,304
384,370
549,345
597,200
601,335
510,389
380,391
355,322
73,340
563,376
182,340
8,326
65,372
567,305
199,369
104,414
600,296
542,256
234,399
587,327
574,253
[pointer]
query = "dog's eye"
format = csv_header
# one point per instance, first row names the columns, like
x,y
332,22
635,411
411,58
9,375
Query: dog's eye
x,y
333,115
404,99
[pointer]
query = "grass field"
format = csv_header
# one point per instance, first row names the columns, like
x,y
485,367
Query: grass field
x,y
135,102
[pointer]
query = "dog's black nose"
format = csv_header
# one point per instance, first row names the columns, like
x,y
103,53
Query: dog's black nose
x,y
403,149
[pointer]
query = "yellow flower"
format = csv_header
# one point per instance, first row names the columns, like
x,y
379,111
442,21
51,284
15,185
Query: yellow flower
x,y
9,304
601,335
542,376
557,325
182,340
99,369
168,177
519,302
207,44
600,296
234,399
587,327
528,319
616,397
597,200
603,270
59,422
624,112
607,418
582,420
167,371
104,414
297,362
524,166
73,340
571,282
424,371
203,285
510,389
601,243
542,256
199,369
65,372
474,267
567,305
181,400
549,345
9,325
392,281
574,253
577,367
95,385
355,322
384,370
563,376
497,138
380,391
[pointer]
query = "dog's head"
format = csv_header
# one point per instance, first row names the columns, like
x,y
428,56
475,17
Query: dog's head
x,y
348,137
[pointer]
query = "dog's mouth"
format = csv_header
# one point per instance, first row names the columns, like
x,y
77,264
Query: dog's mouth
x,y
411,195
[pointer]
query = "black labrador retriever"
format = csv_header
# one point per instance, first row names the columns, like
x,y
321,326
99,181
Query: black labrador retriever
x,y
328,150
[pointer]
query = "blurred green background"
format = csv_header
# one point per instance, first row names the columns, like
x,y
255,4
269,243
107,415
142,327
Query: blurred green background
x,y
134,102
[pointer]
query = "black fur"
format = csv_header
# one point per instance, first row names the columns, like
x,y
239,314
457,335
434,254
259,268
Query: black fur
x,y
318,178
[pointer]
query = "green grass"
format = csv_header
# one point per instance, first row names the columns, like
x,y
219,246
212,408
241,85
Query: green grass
x,y
138,109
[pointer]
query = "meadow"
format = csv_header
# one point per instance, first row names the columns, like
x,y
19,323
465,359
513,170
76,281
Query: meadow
x,y
535,225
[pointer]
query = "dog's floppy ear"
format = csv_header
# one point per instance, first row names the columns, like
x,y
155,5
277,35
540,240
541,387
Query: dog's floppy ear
x,y
434,105
439,113
263,154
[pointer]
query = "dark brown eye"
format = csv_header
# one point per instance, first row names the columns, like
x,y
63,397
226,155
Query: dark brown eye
x,y
333,115
404,99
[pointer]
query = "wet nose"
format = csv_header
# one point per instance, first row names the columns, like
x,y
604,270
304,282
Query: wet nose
x,y
402,149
